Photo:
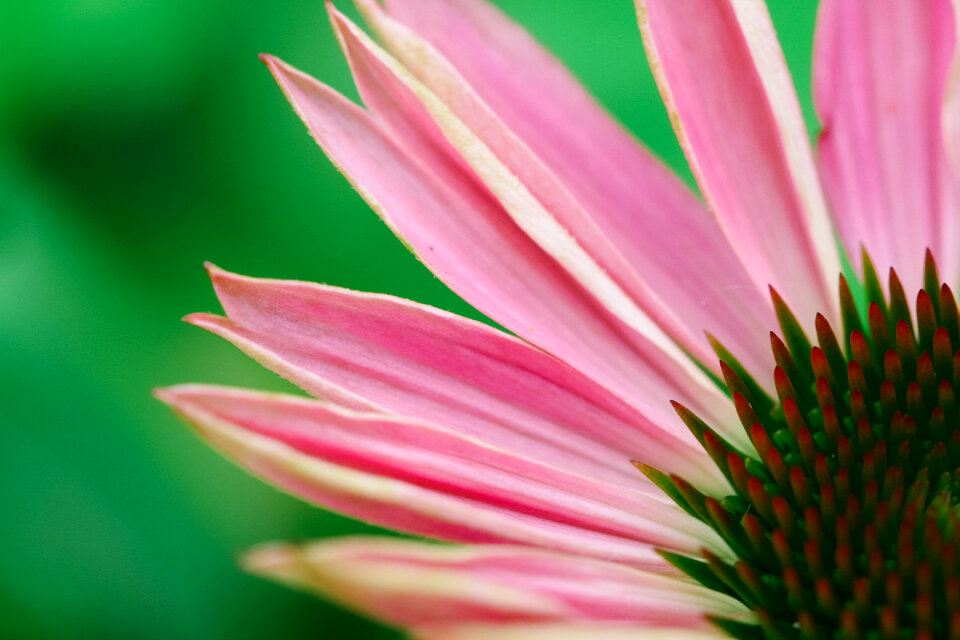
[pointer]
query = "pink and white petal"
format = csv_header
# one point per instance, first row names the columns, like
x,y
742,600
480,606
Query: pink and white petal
x,y
568,631
644,210
527,191
379,353
579,243
880,75
728,89
951,107
470,242
417,477
414,584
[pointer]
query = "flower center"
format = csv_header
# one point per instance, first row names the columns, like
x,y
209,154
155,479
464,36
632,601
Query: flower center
x,y
845,520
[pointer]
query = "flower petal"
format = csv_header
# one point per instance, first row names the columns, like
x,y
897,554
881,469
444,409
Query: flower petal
x,y
880,74
467,239
528,192
594,631
414,584
420,478
635,218
724,79
380,353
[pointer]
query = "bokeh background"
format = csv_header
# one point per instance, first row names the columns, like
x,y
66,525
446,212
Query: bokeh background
x,y
139,138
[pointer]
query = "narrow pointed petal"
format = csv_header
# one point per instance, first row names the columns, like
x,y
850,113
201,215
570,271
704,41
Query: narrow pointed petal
x,y
423,479
726,84
594,631
535,200
414,584
880,72
951,108
380,353
682,298
470,242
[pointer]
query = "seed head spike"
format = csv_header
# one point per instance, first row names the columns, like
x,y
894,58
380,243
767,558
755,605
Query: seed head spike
x,y
899,307
848,310
871,283
926,320
736,377
793,334
949,319
931,280
846,519
879,331
831,349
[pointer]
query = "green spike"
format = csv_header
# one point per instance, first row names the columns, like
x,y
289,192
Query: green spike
x,y
949,318
696,569
793,334
848,311
871,283
726,573
880,333
931,280
831,348
926,320
665,484
741,381
899,306
699,428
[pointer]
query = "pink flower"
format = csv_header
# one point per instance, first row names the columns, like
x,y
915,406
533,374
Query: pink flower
x,y
812,502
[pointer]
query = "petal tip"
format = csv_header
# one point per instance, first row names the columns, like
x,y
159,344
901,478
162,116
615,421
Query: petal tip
x,y
170,396
219,276
212,269
199,319
267,559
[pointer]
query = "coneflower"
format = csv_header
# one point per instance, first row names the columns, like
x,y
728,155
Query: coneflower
x,y
700,427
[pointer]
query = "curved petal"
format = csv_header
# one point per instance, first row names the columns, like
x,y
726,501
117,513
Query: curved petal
x,y
380,353
880,74
594,631
467,239
725,82
528,193
414,584
423,479
683,297
951,107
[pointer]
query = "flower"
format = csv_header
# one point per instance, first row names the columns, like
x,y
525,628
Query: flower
x,y
814,502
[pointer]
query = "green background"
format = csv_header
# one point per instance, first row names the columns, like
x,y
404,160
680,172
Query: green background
x,y
138,139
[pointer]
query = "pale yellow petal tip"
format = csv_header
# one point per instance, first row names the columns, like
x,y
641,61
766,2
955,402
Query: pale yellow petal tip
x,y
199,319
219,275
175,397
164,395
275,65
270,559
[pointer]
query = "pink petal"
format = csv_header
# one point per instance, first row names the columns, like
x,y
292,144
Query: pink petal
x,y
413,584
468,240
684,297
569,631
376,352
528,192
880,73
725,82
416,477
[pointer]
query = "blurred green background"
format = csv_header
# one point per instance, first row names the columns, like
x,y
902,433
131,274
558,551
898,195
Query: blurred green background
x,y
138,139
